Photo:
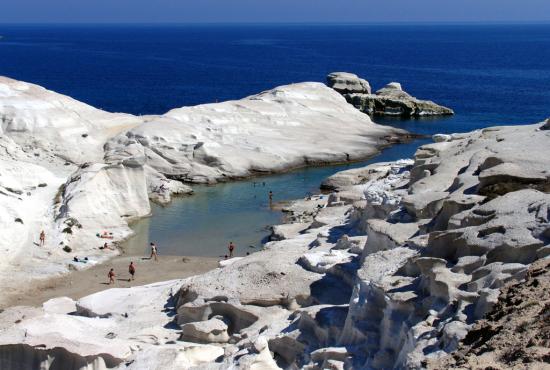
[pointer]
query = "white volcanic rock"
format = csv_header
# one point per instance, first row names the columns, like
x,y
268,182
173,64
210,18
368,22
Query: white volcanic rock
x,y
111,328
346,83
490,162
75,171
101,198
227,262
392,86
417,286
263,360
438,138
321,262
444,234
213,330
161,189
94,199
362,175
455,278
44,136
428,271
265,272
288,231
39,118
336,215
61,305
289,126
175,357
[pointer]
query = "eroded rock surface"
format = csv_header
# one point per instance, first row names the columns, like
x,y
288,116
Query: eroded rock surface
x,y
397,265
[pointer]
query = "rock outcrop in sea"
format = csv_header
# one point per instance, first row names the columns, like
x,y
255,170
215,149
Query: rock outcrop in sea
x,y
391,100
390,270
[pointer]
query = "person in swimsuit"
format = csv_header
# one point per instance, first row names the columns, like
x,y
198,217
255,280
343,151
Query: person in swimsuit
x,y
154,252
111,276
231,249
42,238
132,270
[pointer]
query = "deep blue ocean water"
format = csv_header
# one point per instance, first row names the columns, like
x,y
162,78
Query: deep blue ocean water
x,y
489,74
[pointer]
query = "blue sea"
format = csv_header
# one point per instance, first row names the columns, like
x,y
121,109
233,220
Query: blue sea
x,y
489,74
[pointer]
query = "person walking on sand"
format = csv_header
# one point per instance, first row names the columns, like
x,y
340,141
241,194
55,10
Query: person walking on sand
x,y
132,270
42,238
154,252
231,248
111,276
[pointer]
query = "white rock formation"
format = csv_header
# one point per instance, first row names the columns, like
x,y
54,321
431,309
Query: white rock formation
x,y
213,330
75,171
287,127
348,83
108,329
388,272
332,297
45,137
51,124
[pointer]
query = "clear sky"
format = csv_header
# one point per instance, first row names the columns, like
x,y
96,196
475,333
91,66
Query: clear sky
x,y
339,11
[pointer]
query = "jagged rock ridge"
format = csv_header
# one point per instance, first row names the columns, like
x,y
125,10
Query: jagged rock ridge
x,y
389,271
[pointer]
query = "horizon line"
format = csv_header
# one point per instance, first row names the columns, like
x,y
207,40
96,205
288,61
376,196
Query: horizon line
x,y
281,23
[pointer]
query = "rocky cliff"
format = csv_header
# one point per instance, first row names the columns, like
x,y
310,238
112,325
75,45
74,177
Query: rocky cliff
x,y
391,270
397,266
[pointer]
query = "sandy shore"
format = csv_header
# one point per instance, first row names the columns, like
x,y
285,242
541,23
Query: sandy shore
x,y
81,283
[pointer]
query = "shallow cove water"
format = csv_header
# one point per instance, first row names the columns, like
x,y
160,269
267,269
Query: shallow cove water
x,y
203,224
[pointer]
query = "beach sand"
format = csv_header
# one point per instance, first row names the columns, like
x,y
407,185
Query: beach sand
x,y
81,283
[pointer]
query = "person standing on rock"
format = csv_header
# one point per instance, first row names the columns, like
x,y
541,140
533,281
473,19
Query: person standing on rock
x,y
154,252
42,238
111,276
132,270
231,249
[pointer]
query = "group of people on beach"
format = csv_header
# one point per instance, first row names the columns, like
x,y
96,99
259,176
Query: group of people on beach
x,y
131,271
132,268
154,250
